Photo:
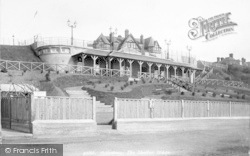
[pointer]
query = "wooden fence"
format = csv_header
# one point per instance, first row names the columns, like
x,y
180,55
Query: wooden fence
x,y
152,108
61,68
63,108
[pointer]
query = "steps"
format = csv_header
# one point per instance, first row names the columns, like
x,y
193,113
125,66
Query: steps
x,y
104,113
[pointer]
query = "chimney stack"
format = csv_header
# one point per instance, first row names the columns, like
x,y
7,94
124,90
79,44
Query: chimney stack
x,y
218,59
243,60
111,35
222,59
126,33
231,55
142,45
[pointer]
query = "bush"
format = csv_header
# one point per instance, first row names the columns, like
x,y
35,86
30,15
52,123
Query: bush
x,y
243,97
204,94
143,80
4,70
214,94
106,85
131,82
182,93
193,94
222,95
47,76
112,88
169,92
122,87
230,96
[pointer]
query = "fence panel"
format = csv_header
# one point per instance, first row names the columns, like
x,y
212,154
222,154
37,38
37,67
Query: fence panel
x,y
167,109
219,109
195,108
240,109
62,108
133,108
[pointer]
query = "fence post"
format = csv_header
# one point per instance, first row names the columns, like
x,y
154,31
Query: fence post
x,y
115,109
94,108
230,109
182,108
32,115
0,118
151,106
208,113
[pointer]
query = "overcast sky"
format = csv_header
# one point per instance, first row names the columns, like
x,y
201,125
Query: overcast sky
x,y
161,19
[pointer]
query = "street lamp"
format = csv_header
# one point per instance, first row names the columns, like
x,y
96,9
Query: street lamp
x,y
168,42
189,48
13,39
72,27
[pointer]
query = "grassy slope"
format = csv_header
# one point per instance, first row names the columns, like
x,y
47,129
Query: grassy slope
x,y
18,53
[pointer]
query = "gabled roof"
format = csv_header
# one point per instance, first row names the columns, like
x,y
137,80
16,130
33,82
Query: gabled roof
x,y
156,42
103,38
124,41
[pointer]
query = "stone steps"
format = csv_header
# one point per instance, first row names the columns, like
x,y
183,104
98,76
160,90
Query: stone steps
x,y
104,113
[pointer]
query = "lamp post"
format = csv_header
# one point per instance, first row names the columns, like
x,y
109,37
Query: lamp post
x,y
13,39
189,48
72,27
168,42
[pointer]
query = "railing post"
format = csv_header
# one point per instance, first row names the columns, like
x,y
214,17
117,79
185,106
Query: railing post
x,y
208,113
19,65
43,68
182,108
94,108
230,108
115,109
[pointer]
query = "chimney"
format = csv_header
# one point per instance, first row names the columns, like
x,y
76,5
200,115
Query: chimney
x,y
126,33
141,39
218,59
222,59
231,55
111,35
243,60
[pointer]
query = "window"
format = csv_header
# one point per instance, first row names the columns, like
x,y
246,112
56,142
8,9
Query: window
x,y
65,50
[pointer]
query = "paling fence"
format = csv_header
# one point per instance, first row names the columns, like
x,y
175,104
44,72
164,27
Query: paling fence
x,y
152,108
61,68
63,108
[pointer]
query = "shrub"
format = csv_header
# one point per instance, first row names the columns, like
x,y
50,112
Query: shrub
x,y
143,80
131,82
182,93
4,70
204,94
112,88
106,85
230,96
47,76
193,94
122,87
222,95
214,94
243,97
169,92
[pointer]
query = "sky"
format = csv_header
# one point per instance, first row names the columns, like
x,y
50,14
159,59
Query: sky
x,y
161,19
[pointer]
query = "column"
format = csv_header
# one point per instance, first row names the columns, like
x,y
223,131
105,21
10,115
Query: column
x,y
182,69
193,76
130,66
140,63
83,59
175,71
149,68
94,63
120,65
167,67
159,69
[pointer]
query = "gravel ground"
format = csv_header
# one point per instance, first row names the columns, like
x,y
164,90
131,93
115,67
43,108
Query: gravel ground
x,y
232,140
